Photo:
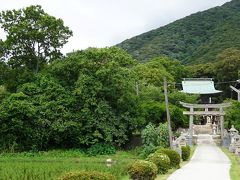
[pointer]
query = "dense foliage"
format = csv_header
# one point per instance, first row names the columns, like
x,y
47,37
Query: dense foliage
x,y
194,39
101,149
156,136
153,138
95,103
142,170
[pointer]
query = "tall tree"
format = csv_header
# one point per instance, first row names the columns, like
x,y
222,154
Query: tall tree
x,y
33,38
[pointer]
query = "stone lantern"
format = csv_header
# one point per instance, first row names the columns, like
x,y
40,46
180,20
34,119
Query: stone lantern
x,y
232,133
235,139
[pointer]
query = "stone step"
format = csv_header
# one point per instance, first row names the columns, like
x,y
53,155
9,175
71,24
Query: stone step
x,y
202,129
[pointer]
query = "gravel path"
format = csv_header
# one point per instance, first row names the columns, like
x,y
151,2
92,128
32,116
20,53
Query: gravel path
x,y
208,163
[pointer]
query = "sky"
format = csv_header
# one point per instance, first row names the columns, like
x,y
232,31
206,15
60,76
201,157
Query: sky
x,y
101,23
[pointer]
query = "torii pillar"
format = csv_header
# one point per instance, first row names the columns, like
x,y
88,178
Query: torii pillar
x,y
191,126
222,123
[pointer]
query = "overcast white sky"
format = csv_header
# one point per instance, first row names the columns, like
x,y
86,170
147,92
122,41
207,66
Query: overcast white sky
x,y
100,23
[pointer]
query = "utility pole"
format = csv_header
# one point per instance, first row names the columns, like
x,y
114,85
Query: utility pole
x,y
168,114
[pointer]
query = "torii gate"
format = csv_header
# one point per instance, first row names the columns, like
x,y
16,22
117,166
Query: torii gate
x,y
220,113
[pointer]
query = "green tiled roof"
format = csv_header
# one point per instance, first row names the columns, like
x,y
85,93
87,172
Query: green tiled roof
x,y
199,86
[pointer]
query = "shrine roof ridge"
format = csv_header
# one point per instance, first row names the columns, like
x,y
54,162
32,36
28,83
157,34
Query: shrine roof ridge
x,y
197,79
189,105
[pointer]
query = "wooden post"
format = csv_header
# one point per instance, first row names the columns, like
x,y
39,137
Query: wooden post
x,y
222,124
191,127
168,114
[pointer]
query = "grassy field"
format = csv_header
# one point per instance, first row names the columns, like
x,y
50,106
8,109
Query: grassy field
x,y
52,164
235,167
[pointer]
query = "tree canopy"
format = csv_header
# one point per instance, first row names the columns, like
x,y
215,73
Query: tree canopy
x,y
33,38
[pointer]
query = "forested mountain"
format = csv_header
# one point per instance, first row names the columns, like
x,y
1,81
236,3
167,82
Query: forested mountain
x,y
194,39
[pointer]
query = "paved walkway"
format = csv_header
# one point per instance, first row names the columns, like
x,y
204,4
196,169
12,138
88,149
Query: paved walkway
x,y
208,163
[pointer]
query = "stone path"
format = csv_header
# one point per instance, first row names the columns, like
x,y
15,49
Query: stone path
x,y
208,163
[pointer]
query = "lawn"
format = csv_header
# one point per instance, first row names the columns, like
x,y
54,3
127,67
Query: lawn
x,y
235,167
52,164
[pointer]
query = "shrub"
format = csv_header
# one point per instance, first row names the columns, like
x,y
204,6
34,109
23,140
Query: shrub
x,y
101,149
85,175
147,150
143,170
161,160
185,152
173,156
153,138
163,135
150,135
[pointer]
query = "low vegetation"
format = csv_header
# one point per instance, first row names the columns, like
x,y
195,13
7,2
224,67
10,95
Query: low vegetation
x,y
172,170
53,164
235,166
86,175
143,170
174,157
161,160
186,151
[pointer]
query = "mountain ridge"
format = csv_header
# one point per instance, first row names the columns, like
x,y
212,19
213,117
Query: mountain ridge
x,y
194,39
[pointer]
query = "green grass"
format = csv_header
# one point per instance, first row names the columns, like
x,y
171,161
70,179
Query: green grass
x,y
52,164
235,167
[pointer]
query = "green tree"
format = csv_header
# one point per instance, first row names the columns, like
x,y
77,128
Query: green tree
x,y
55,118
233,116
153,111
228,65
17,122
227,69
172,66
3,72
105,90
103,84
3,92
33,38
152,73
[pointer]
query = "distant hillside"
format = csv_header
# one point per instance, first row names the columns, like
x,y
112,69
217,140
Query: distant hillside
x,y
194,39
